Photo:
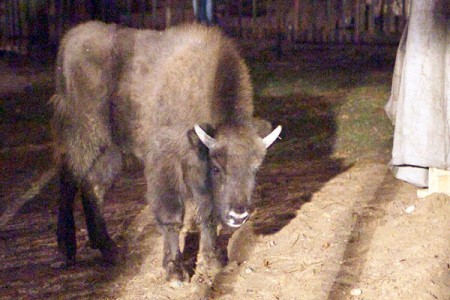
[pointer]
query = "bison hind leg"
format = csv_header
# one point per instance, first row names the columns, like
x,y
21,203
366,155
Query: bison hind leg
x,y
66,225
97,182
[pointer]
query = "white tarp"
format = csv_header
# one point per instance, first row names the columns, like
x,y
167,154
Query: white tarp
x,y
419,105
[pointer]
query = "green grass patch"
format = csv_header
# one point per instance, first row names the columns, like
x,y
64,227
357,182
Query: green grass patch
x,y
327,108
364,131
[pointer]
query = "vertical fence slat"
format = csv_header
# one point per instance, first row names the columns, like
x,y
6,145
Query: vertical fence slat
x,y
253,21
240,28
24,22
142,8
168,11
358,21
154,13
296,24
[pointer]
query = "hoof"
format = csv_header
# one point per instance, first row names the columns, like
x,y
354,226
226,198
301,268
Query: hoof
x,y
207,269
67,263
176,284
203,291
112,254
203,279
176,271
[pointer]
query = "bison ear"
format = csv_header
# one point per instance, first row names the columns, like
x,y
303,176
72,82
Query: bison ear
x,y
194,139
264,130
263,127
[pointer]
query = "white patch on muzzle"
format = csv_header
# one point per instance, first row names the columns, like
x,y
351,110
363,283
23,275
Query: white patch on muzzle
x,y
231,224
237,216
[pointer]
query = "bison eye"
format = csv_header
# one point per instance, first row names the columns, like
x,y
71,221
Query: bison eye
x,y
215,170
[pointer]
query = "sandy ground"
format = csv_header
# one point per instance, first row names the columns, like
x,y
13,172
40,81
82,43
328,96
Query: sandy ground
x,y
323,229
356,238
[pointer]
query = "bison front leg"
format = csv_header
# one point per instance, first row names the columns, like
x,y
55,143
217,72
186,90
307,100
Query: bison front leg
x,y
66,226
168,210
208,262
172,261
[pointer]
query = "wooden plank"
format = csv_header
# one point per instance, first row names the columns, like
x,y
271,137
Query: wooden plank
x,y
438,182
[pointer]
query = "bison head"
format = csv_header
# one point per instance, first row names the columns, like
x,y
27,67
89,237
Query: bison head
x,y
235,154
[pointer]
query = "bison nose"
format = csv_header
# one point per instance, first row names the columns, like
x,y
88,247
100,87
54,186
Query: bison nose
x,y
237,217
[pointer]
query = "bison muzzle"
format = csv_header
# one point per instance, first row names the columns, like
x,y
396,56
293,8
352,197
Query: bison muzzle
x,y
181,102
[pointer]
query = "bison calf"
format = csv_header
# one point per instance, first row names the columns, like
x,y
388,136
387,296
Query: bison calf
x,y
143,92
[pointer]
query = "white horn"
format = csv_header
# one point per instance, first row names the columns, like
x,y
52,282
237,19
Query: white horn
x,y
269,139
204,137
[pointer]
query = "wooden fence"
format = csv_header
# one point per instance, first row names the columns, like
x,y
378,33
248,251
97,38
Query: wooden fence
x,y
35,25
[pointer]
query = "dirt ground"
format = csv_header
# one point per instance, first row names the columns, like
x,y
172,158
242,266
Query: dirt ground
x,y
326,226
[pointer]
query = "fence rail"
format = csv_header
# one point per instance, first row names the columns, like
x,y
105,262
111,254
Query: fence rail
x,y
35,25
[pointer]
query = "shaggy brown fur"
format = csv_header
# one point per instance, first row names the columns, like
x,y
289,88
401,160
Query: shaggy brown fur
x,y
121,90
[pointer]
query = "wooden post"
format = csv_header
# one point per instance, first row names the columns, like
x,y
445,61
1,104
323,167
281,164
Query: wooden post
x,y
26,27
343,22
296,19
67,14
168,10
183,13
240,18
329,23
6,18
315,22
154,13
269,17
18,34
254,14
388,17
227,17
370,19
12,13
358,22
279,18
404,13
338,22
391,16
51,22
129,13
142,7
2,22
57,18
